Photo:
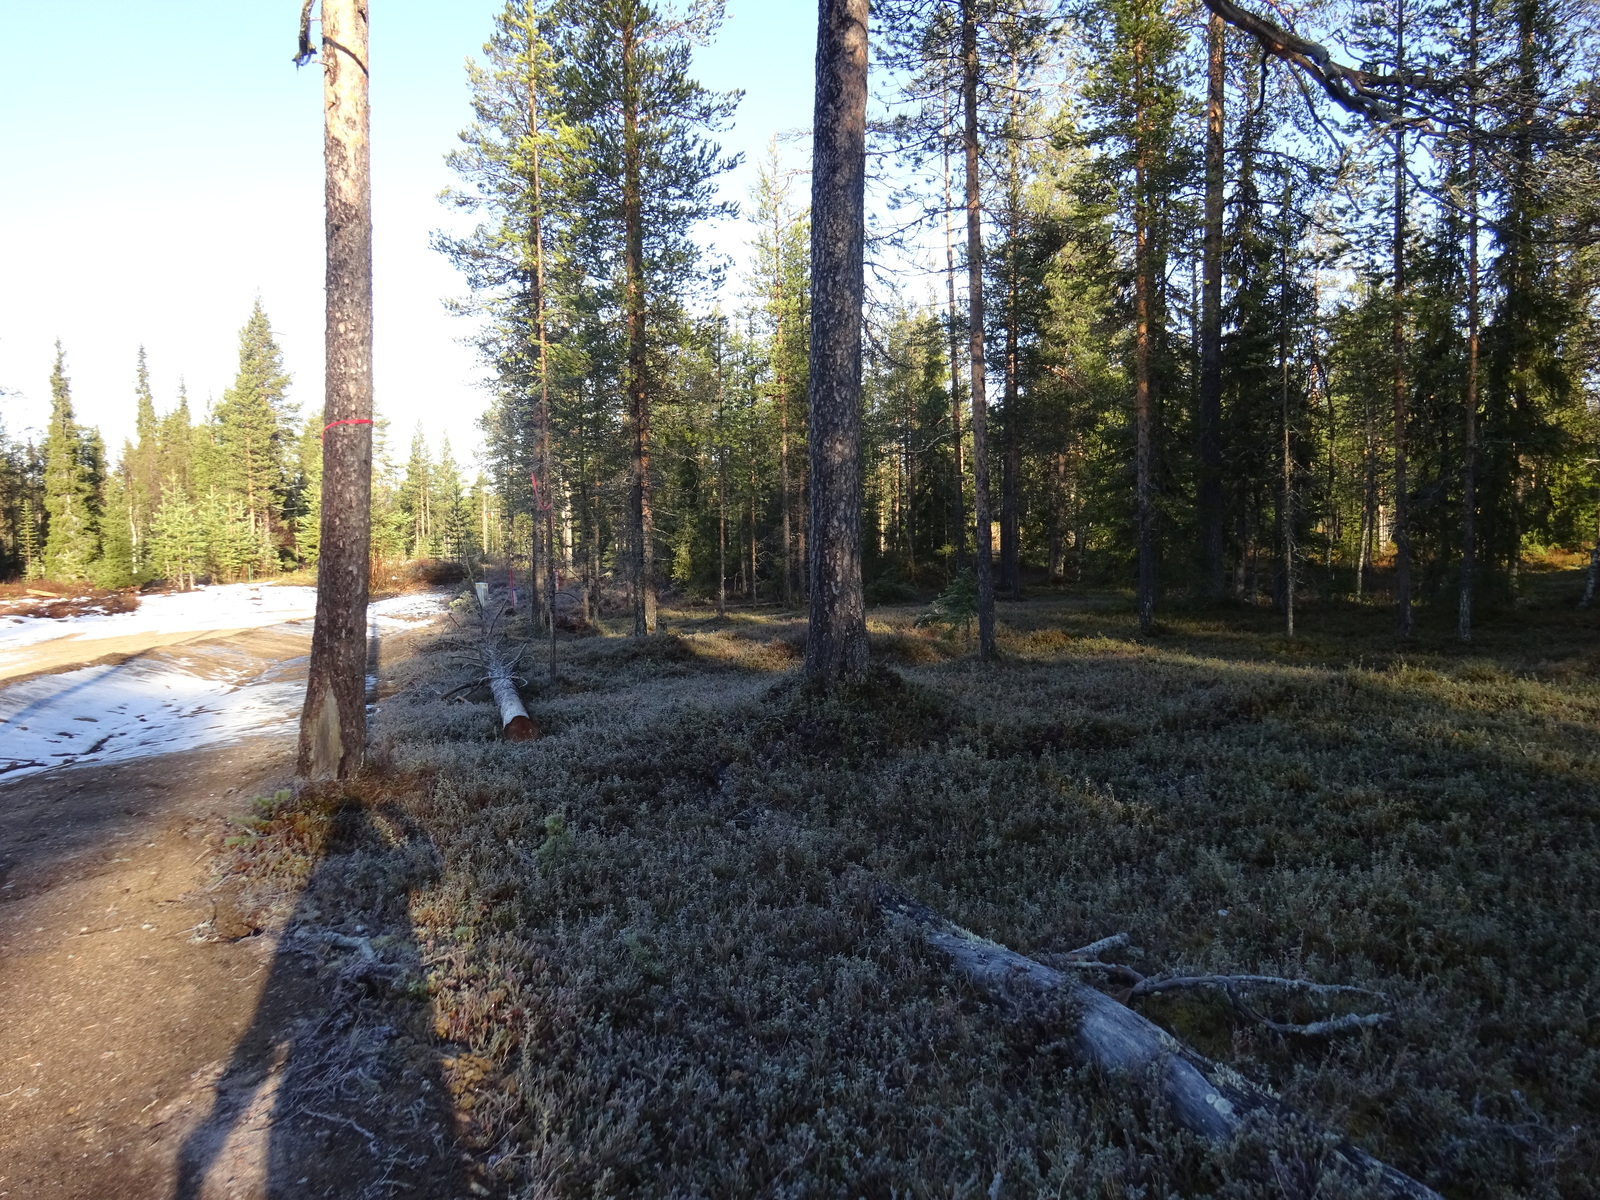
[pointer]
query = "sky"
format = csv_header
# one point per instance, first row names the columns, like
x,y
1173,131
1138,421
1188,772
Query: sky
x,y
168,171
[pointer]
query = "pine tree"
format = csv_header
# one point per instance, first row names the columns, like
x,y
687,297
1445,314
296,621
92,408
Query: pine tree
x,y
71,540
648,180
836,641
514,157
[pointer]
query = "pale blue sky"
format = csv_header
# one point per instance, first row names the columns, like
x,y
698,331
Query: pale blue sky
x,y
163,166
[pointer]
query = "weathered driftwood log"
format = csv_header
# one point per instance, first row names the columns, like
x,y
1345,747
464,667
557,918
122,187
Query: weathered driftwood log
x,y
515,724
1206,1098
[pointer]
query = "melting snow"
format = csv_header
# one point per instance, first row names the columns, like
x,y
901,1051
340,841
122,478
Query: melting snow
x,y
174,699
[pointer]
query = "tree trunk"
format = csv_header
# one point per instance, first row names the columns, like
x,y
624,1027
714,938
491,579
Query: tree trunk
x,y
959,505
1210,497
1144,507
836,645
333,723
980,415
1286,507
515,724
1369,495
644,558
1469,472
1011,465
1402,530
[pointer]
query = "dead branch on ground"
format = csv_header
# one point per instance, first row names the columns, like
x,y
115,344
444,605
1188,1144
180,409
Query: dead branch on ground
x,y
1206,1098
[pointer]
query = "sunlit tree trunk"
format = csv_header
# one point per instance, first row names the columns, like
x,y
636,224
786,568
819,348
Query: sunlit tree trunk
x,y
644,559
975,318
333,723
959,497
1469,473
836,646
1210,490
1144,506
1402,530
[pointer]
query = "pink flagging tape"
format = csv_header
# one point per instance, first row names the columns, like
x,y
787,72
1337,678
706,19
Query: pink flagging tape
x,y
350,421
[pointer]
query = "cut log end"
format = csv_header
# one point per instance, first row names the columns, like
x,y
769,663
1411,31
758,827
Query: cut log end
x,y
520,729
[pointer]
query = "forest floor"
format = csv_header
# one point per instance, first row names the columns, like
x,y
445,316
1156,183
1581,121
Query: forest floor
x,y
643,955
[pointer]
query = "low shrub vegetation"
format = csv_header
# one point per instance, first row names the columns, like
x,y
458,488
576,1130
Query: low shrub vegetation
x,y
653,934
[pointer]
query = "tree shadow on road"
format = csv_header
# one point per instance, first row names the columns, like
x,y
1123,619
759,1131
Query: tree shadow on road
x,y
335,1088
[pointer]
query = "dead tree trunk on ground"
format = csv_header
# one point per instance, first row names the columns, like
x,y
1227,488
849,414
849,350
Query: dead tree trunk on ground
x,y
1205,1098
333,723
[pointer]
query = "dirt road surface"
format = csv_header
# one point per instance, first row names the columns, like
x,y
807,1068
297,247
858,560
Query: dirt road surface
x,y
129,983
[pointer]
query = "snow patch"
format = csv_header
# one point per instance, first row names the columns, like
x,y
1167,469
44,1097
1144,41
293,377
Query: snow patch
x,y
226,606
109,713
159,703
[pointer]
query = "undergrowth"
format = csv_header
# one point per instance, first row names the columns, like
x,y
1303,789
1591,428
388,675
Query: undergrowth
x,y
655,927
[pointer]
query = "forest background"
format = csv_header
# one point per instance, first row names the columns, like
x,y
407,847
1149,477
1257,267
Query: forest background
x,y
1309,353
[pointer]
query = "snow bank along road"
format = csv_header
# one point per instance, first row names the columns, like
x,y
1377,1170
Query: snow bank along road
x,y
181,671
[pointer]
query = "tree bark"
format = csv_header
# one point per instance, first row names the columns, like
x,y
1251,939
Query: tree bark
x,y
333,723
1402,531
644,558
1210,497
1144,507
1469,471
959,505
515,724
836,646
1286,507
975,319
1011,464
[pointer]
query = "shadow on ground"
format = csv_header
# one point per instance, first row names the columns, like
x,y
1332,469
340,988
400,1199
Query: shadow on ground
x,y
334,1089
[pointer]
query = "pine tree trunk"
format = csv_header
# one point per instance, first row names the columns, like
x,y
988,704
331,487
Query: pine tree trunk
x,y
1144,507
644,559
975,318
1469,472
1592,575
1402,530
1210,497
1286,507
1011,465
836,646
1011,475
959,500
333,723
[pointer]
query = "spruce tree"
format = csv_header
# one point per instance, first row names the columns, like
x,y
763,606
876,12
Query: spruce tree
x,y
142,462
252,427
71,539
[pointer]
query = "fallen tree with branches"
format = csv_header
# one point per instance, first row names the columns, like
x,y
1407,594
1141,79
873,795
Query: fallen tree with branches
x,y
499,669
1206,1098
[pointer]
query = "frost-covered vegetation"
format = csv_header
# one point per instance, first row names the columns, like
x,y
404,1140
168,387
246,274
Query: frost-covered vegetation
x,y
651,936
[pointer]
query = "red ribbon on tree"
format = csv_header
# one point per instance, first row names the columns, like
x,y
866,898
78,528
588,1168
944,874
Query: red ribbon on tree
x,y
350,421
542,503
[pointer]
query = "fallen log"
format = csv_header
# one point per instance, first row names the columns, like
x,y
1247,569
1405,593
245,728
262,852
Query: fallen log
x,y
498,672
1206,1098
515,724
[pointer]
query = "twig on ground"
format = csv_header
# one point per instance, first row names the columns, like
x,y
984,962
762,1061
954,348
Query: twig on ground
x,y
1100,947
1150,987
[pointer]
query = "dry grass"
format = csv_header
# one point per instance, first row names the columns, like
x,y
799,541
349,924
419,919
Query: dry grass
x,y
652,937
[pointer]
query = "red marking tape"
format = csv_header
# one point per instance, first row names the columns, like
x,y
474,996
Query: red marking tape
x,y
543,504
351,421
